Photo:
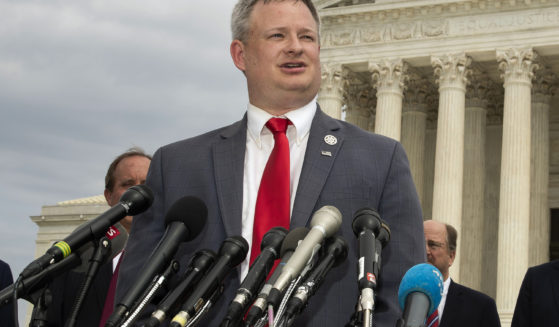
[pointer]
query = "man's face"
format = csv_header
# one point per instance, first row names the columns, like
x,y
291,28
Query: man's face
x,y
280,57
438,252
130,171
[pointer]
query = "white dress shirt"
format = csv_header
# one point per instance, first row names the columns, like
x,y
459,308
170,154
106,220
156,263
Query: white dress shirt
x,y
443,298
259,145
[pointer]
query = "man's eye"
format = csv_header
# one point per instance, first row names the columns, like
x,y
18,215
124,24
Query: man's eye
x,y
308,37
276,36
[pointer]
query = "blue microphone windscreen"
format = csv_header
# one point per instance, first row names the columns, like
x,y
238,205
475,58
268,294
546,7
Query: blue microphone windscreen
x,y
424,278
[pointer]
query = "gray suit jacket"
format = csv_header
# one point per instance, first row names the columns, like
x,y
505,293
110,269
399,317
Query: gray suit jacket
x,y
361,170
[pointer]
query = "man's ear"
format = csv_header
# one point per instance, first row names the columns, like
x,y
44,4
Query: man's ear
x,y
452,256
107,194
237,50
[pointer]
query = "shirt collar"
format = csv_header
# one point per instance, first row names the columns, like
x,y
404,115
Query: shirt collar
x,y
301,119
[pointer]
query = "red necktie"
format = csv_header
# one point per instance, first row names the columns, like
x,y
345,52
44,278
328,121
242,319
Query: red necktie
x,y
433,319
109,300
272,202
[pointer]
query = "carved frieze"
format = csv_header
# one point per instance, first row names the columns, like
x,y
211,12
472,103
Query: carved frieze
x,y
433,21
373,33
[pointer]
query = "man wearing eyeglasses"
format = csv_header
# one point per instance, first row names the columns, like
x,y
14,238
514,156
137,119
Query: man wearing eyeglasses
x,y
460,305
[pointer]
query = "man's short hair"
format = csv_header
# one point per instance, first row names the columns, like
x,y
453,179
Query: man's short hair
x,y
110,178
452,236
243,9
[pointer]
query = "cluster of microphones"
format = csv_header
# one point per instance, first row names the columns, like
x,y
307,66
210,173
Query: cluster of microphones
x,y
280,282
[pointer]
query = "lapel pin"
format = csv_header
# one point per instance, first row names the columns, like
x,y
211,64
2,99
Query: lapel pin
x,y
326,153
330,139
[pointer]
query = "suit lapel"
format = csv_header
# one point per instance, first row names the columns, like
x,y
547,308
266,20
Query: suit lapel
x,y
319,158
452,306
228,161
101,286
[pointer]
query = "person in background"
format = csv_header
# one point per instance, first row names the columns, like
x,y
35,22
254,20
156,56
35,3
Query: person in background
x,y
128,169
460,305
538,298
6,311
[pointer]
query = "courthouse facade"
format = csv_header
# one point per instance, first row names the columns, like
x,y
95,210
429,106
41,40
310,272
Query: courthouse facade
x,y
469,88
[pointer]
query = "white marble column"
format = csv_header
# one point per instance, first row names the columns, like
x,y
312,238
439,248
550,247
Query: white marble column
x,y
452,71
542,91
414,126
473,213
389,77
331,94
514,203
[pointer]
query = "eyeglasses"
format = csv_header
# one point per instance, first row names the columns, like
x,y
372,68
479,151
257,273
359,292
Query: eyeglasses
x,y
435,245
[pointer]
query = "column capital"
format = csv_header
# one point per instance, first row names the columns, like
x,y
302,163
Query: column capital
x,y
517,64
360,96
389,74
544,85
479,89
334,77
418,93
452,69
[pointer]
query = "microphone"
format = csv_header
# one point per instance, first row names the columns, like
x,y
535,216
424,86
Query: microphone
x,y
199,265
132,202
259,270
325,222
184,220
231,253
288,247
419,294
118,236
336,253
77,261
367,227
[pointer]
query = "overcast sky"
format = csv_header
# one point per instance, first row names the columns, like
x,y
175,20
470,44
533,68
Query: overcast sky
x,y
82,81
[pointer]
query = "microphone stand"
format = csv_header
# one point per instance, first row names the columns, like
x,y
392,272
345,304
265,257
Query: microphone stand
x,y
146,297
102,250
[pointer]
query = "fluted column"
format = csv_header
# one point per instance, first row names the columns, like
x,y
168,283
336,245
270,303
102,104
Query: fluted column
x,y
452,71
542,90
389,78
471,251
514,204
331,93
414,125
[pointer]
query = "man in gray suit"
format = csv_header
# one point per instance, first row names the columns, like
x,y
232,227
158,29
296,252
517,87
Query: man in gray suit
x,y
276,46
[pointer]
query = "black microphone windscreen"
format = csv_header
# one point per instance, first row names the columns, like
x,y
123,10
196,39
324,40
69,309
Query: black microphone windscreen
x,y
191,211
138,197
366,219
292,239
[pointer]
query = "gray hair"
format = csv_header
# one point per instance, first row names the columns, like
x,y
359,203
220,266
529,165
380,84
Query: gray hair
x,y
243,9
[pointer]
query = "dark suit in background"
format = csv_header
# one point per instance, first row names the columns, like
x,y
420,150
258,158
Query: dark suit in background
x,y
6,311
469,308
538,299
64,293
360,170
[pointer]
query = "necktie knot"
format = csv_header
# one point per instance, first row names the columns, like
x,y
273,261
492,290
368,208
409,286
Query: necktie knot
x,y
277,125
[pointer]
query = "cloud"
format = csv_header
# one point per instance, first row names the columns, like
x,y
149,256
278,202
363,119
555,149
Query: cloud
x,y
82,81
